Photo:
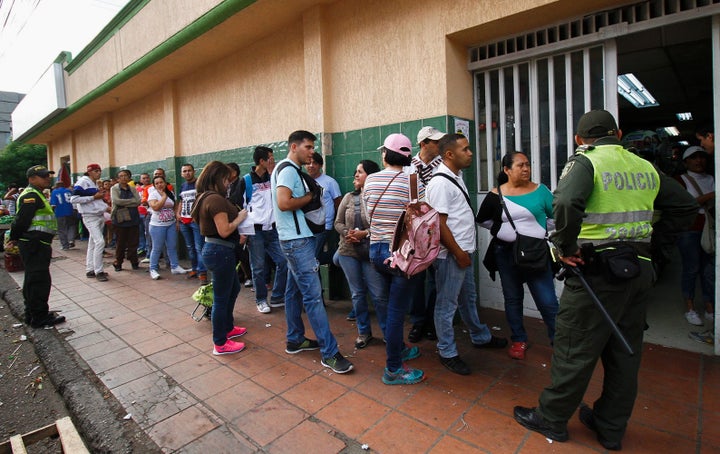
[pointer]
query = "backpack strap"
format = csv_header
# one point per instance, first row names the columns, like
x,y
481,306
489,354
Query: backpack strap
x,y
280,169
413,183
467,197
248,188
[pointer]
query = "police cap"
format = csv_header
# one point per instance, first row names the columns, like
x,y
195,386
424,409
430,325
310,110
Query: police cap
x,y
597,123
40,171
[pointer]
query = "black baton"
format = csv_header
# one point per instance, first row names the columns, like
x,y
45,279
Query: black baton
x,y
575,270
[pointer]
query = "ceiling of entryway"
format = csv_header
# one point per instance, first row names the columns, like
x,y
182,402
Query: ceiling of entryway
x,y
675,63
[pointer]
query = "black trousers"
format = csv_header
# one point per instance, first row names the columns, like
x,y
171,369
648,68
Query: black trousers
x,y
36,287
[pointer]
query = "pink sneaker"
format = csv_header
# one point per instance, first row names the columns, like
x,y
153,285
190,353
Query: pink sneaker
x,y
228,348
237,331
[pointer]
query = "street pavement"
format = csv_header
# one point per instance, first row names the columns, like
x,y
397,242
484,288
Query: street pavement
x,y
136,335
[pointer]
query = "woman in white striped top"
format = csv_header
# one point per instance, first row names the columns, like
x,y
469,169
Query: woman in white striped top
x,y
386,194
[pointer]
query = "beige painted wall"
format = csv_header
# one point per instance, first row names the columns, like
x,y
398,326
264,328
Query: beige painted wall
x,y
341,66
140,133
390,60
254,96
90,146
58,149
154,24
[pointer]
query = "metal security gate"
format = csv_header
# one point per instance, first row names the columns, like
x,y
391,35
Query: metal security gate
x,y
532,106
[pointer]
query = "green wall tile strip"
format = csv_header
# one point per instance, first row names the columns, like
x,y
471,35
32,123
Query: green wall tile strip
x,y
348,149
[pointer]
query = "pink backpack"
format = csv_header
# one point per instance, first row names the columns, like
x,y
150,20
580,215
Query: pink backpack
x,y
416,241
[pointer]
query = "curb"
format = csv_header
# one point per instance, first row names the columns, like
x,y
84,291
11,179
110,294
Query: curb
x,y
95,412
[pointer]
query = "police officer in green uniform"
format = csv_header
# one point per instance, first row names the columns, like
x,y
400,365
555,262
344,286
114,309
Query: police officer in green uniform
x,y
32,231
603,208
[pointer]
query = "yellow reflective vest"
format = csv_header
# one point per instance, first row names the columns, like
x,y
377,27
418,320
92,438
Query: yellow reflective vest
x,y
44,219
621,204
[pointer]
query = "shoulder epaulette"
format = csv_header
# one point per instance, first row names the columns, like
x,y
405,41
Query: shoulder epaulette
x,y
584,148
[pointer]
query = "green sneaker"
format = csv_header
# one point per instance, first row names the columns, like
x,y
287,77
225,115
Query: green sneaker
x,y
403,376
338,363
307,344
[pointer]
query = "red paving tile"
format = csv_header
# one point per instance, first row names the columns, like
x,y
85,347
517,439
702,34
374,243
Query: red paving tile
x,y
309,436
219,440
352,413
398,432
212,382
270,420
238,400
305,394
194,421
158,363
434,408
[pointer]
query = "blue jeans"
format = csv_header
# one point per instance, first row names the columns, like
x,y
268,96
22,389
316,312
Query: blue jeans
x,y
304,290
142,241
396,290
226,288
696,263
266,242
423,307
194,242
163,238
456,291
541,288
362,278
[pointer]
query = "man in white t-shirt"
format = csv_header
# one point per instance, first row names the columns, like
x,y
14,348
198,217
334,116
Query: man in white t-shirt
x,y
331,200
454,273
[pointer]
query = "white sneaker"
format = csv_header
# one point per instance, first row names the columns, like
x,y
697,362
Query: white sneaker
x,y
145,260
263,308
178,270
154,275
693,318
710,316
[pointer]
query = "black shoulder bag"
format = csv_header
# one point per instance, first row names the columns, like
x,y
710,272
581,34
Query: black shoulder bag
x,y
529,253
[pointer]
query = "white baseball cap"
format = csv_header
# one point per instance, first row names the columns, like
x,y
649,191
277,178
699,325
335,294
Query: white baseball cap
x,y
428,132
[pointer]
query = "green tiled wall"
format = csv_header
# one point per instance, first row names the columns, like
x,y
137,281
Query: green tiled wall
x,y
350,147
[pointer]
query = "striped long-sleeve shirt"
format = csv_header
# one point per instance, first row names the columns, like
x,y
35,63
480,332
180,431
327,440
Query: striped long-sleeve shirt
x,y
387,209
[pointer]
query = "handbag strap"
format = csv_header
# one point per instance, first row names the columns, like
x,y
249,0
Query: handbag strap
x,y
695,185
467,197
507,213
358,217
504,207
383,193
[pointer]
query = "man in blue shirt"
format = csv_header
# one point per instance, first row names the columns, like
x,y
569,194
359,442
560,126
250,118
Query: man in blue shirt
x,y
66,219
289,195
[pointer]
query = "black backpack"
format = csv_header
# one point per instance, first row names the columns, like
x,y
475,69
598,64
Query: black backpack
x,y
314,211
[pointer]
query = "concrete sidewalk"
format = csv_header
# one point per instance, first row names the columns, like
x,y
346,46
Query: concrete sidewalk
x,y
137,336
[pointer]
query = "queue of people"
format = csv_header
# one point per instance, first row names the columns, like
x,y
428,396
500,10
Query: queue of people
x,y
600,227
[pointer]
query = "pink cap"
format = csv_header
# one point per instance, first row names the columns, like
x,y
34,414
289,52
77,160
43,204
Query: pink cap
x,y
398,143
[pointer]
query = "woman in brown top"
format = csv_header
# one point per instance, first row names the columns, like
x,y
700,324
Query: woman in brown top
x,y
218,219
353,225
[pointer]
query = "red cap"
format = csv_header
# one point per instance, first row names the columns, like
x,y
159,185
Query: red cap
x,y
93,167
